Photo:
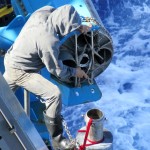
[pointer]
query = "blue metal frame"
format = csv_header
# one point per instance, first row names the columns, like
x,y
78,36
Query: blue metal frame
x,y
32,5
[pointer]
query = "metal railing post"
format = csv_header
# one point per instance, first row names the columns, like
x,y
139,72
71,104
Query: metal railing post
x,y
27,102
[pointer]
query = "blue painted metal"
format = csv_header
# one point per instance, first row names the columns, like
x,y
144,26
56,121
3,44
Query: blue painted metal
x,y
9,33
75,95
79,95
31,5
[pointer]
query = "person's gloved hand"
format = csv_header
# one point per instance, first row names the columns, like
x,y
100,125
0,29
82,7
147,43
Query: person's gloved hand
x,y
80,73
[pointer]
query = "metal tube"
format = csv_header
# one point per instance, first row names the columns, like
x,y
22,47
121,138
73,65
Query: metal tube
x,y
76,57
92,67
96,130
98,137
27,102
92,45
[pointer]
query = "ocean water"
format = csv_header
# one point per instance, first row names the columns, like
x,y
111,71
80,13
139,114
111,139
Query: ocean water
x,y
125,84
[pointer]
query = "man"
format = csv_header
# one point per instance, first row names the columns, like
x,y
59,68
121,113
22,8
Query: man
x,y
37,46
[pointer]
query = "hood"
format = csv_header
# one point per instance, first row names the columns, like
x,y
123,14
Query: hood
x,y
65,19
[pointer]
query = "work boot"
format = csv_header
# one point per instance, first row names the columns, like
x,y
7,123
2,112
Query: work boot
x,y
55,128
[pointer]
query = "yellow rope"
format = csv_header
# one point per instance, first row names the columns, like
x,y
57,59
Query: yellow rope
x,y
5,11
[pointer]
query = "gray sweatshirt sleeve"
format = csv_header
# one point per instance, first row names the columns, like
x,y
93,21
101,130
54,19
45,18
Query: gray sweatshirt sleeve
x,y
49,55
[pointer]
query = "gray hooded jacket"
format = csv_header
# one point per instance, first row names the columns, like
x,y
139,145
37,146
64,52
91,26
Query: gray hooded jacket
x,y
38,43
